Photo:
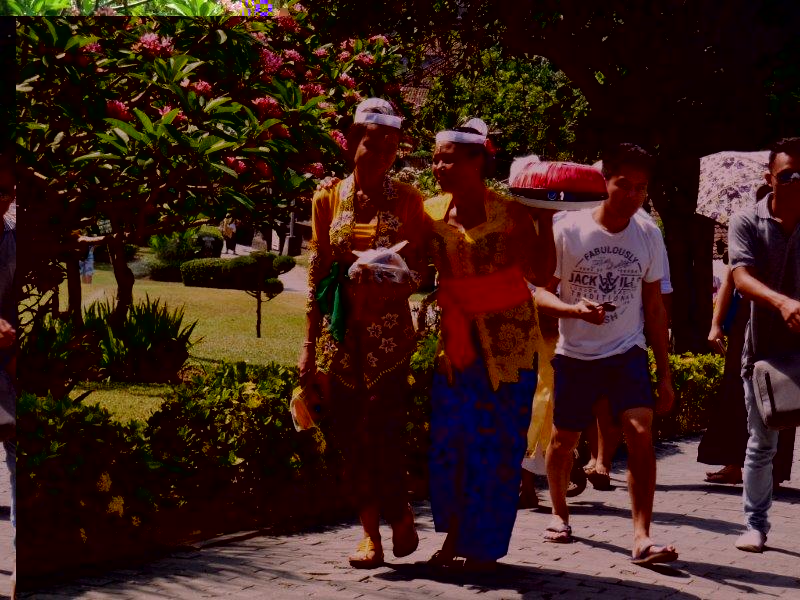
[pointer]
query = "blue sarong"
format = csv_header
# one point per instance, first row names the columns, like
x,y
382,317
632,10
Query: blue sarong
x,y
478,440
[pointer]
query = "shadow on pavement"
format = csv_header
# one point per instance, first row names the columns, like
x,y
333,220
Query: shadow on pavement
x,y
713,525
536,581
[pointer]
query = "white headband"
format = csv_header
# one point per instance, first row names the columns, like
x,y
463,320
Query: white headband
x,y
380,119
460,137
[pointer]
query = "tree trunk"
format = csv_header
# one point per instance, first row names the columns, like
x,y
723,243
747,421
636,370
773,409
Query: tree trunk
x,y
75,306
259,302
125,280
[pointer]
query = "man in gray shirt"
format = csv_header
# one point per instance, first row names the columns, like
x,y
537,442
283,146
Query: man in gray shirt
x,y
764,243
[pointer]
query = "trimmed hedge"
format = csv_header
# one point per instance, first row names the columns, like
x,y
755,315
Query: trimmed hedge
x,y
257,270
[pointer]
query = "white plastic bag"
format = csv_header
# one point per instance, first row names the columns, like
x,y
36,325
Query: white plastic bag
x,y
381,265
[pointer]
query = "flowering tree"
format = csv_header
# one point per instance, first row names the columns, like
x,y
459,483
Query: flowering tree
x,y
153,125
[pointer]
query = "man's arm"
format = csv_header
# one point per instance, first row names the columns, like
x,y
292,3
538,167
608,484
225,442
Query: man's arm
x,y
550,304
760,293
655,328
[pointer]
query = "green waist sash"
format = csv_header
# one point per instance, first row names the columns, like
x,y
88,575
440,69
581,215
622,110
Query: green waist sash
x,y
331,299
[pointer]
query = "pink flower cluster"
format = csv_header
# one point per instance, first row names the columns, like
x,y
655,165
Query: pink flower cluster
x,y
347,81
288,24
202,88
270,61
344,56
365,59
347,44
293,55
179,118
339,138
237,165
379,38
267,107
153,45
314,169
94,47
311,90
320,52
118,110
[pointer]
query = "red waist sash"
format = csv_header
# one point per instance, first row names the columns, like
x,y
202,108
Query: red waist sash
x,y
462,298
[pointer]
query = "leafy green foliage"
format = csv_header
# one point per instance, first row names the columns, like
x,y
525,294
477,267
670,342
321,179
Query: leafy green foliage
x,y
56,354
150,346
221,454
83,483
696,378
530,107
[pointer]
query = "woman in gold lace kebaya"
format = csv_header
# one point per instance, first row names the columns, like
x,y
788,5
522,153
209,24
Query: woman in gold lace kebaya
x,y
484,247
360,335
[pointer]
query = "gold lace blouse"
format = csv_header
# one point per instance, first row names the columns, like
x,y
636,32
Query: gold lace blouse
x,y
507,338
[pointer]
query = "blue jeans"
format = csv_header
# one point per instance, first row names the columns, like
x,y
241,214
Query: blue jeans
x,y
762,445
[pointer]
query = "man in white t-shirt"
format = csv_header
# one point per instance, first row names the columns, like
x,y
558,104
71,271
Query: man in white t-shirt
x,y
609,270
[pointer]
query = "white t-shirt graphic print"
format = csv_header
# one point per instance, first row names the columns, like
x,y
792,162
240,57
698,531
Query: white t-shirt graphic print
x,y
601,266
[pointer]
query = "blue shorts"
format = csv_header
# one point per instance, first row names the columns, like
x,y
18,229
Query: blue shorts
x,y
623,378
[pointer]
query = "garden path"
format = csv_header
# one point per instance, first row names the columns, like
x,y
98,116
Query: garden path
x,y
703,520
6,531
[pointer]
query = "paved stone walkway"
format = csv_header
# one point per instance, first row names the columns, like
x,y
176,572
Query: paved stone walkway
x,y
703,520
6,531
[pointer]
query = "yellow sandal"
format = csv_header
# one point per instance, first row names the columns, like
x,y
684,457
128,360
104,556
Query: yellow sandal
x,y
368,555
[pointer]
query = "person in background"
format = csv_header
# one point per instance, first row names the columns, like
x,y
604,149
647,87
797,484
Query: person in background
x,y
725,440
87,266
228,229
764,249
8,322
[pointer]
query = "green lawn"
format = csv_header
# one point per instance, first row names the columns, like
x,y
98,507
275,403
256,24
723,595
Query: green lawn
x,y
227,318
226,330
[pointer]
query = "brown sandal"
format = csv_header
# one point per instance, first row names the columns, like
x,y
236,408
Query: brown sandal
x,y
368,555
445,561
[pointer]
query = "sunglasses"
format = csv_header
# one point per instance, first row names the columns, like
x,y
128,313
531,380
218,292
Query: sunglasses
x,y
787,177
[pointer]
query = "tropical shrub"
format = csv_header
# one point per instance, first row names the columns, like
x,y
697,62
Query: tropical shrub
x,y
696,379
57,353
82,485
150,346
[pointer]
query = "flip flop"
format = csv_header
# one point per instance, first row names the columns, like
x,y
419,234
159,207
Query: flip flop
x,y
653,554
561,534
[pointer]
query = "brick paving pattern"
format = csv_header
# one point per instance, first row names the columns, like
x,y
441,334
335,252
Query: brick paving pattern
x,y
6,531
703,520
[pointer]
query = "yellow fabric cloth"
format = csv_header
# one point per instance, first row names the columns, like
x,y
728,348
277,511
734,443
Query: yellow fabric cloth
x,y
380,333
541,427
507,338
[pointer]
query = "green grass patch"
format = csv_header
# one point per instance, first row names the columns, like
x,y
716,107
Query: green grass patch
x,y
227,319
127,402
